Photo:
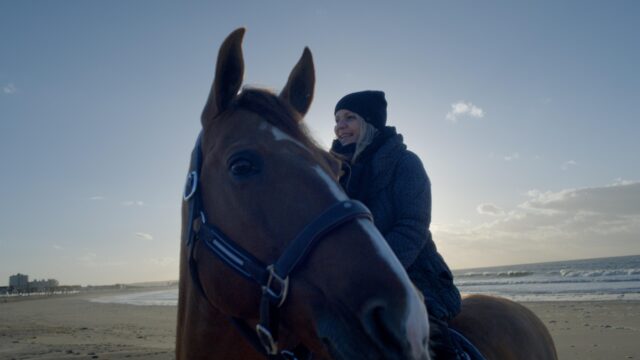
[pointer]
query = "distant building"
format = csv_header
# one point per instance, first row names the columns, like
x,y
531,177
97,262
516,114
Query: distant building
x,y
19,282
43,285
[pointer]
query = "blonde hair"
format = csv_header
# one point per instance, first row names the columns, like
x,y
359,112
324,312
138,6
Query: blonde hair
x,y
367,134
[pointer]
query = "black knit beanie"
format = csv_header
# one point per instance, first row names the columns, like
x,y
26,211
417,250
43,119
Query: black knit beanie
x,y
370,104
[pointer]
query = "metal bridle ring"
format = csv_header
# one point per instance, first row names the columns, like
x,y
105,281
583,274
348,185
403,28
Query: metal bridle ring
x,y
279,294
266,339
192,180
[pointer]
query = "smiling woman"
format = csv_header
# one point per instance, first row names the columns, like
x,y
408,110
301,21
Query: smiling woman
x,y
392,182
348,125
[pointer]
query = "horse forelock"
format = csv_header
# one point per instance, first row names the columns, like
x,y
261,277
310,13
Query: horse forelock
x,y
283,117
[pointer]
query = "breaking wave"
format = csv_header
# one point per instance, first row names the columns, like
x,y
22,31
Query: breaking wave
x,y
498,274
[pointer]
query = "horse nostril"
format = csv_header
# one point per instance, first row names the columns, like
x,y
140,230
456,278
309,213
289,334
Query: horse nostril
x,y
385,329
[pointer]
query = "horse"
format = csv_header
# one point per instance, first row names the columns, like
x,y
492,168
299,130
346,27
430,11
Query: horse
x,y
502,329
275,260
261,191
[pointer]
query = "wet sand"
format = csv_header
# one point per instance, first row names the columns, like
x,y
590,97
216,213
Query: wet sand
x,y
70,327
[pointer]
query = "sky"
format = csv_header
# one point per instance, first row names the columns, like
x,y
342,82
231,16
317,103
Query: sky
x,y
525,115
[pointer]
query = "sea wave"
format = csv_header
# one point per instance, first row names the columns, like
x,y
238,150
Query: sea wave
x,y
564,273
596,272
563,296
459,281
494,274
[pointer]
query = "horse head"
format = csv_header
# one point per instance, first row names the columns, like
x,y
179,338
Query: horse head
x,y
268,190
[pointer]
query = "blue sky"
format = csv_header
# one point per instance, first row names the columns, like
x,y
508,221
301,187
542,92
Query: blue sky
x,y
525,115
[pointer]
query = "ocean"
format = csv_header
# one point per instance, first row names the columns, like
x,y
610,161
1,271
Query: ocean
x,y
614,278
165,297
603,279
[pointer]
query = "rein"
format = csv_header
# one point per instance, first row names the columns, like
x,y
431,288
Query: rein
x,y
274,278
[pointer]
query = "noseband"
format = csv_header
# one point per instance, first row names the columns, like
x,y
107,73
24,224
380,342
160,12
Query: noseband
x,y
273,279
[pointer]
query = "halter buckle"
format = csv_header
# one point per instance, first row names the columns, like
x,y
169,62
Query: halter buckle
x,y
266,339
280,293
191,185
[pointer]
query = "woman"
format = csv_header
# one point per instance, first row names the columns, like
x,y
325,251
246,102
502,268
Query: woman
x,y
391,181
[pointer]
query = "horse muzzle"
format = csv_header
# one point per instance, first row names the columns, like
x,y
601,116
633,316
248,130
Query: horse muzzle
x,y
397,337
378,331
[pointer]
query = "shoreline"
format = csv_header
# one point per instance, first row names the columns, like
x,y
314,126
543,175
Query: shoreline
x,y
73,327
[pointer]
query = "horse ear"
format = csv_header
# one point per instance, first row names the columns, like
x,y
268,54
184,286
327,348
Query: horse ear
x,y
228,78
299,89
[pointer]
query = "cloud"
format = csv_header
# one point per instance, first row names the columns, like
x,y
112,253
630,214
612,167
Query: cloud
x,y
513,156
621,181
57,247
490,209
9,89
144,236
132,203
462,108
90,259
613,200
565,166
162,262
550,225
96,198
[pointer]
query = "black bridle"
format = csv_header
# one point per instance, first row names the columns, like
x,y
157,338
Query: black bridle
x,y
274,278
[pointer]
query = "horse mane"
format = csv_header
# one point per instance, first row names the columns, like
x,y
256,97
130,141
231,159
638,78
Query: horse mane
x,y
281,115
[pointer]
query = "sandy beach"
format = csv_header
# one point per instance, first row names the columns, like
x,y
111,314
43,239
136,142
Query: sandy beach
x,y
592,330
70,327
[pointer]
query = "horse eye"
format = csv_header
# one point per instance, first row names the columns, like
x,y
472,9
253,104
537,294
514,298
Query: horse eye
x,y
242,167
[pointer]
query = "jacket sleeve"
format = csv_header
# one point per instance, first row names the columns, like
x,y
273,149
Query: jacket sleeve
x,y
411,198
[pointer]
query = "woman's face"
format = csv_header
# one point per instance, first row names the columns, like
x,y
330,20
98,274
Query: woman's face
x,y
347,127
